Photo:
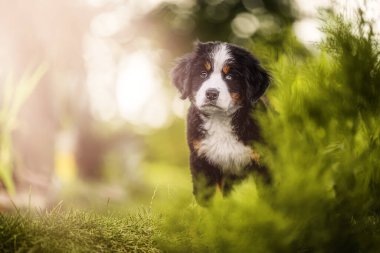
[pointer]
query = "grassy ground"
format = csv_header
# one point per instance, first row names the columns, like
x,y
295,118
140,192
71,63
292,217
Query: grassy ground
x,y
76,231
91,224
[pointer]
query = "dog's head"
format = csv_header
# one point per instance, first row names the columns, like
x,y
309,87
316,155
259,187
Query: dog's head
x,y
220,77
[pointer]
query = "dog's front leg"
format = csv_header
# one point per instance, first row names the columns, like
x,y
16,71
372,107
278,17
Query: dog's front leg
x,y
228,182
205,180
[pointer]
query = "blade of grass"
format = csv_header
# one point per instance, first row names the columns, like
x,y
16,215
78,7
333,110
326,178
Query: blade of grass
x,y
14,97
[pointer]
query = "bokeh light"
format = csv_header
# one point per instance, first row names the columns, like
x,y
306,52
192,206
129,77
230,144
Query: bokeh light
x,y
139,93
245,25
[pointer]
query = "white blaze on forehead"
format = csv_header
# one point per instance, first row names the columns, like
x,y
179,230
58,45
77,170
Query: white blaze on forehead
x,y
220,56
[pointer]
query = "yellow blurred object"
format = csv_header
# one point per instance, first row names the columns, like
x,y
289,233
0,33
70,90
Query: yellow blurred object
x,y
64,156
65,166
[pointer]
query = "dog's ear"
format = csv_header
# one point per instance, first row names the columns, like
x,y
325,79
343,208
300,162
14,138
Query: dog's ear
x,y
181,74
257,79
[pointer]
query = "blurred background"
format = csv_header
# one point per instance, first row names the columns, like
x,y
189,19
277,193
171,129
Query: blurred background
x,y
87,111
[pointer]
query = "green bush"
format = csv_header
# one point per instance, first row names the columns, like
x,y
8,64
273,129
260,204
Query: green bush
x,y
323,147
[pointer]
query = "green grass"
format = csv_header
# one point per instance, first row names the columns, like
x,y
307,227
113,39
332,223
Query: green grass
x,y
76,231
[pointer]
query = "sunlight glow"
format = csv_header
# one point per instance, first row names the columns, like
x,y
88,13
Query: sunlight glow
x,y
109,23
308,31
100,65
138,93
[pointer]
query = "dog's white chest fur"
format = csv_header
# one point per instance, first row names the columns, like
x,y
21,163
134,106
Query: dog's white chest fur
x,y
221,146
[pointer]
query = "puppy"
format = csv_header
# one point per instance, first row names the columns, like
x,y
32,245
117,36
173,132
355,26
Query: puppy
x,y
223,83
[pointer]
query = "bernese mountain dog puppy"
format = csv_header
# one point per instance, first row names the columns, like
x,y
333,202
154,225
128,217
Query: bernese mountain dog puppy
x,y
223,83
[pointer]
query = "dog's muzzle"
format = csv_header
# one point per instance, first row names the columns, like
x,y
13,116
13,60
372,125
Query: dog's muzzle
x,y
212,94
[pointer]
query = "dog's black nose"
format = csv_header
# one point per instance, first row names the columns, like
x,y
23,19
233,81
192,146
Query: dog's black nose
x,y
212,94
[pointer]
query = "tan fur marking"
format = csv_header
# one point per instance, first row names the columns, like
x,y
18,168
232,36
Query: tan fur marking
x,y
196,145
255,156
208,65
235,97
226,69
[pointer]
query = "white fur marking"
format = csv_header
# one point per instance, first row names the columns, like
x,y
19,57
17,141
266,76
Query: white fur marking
x,y
221,146
220,55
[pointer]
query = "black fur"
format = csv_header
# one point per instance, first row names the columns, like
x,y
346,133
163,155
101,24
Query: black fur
x,y
250,81
181,75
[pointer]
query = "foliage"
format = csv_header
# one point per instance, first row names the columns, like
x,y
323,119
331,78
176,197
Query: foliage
x,y
180,24
323,146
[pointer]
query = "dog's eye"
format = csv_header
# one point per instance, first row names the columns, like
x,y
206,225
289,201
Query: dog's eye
x,y
229,77
203,74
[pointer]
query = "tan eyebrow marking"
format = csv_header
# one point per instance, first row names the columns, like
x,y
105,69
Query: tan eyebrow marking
x,y
226,69
208,65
